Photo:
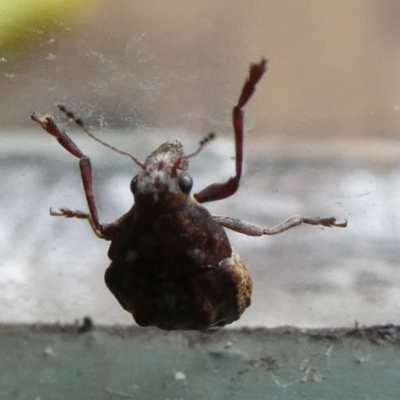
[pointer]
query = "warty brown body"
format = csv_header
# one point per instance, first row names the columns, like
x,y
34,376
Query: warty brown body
x,y
172,264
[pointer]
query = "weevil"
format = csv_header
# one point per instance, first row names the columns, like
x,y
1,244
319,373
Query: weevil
x,y
172,265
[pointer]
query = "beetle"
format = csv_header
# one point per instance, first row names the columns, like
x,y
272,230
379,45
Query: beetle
x,y
172,265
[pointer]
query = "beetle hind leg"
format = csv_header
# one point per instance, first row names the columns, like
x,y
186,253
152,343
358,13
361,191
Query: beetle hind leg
x,y
249,229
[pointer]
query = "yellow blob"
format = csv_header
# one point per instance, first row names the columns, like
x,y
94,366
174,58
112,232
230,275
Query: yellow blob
x,y
23,22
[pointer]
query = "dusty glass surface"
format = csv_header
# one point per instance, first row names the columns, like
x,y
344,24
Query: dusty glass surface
x,y
321,139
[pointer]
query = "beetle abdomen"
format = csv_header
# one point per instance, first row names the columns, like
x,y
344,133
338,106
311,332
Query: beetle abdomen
x,y
215,297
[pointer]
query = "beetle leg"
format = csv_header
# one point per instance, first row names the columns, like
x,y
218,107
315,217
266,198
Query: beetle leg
x,y
218,191
254,230
104,231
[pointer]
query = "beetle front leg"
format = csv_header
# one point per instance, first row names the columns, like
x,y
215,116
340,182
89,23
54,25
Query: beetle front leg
x,y
104,231
219,191
254,230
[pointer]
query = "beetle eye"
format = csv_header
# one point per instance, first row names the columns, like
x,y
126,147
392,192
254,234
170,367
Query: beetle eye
x,y
134,184
185,182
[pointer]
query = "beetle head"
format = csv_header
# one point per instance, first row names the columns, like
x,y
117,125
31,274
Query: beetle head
x,y
164,181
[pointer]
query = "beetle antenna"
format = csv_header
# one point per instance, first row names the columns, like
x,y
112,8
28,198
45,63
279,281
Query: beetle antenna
x,y
82,126
203,142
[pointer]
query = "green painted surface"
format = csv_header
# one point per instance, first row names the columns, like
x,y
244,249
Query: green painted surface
x,y
40,363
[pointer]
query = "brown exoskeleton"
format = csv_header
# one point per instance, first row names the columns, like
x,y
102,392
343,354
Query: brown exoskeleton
x,y
172,265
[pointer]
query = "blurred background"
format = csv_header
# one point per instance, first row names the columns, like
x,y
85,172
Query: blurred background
x,y
322,138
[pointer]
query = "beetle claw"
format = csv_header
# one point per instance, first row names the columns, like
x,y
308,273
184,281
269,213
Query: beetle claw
x,y
56,213
330,222
340,224
67,213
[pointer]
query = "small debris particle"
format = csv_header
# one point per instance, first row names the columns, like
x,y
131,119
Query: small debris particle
x,y
49,351
87,325
180,376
